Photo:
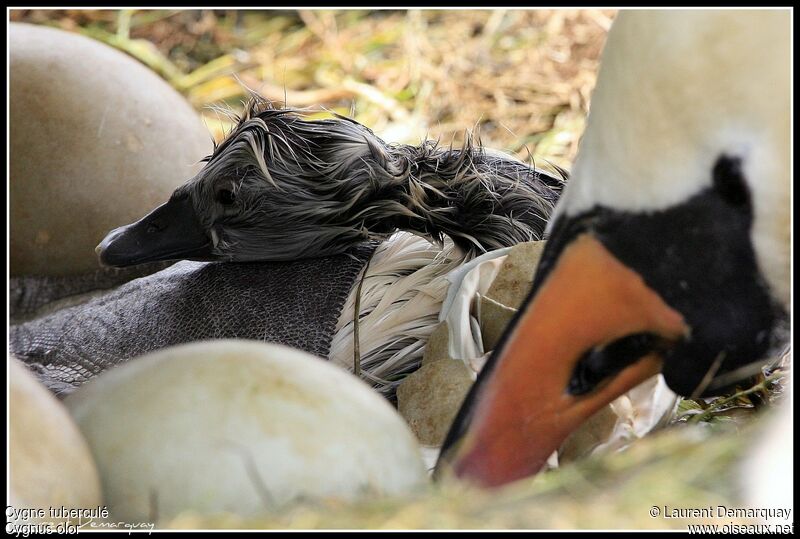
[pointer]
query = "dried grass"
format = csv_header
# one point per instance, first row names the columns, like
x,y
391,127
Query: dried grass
x,y
680,467
521,77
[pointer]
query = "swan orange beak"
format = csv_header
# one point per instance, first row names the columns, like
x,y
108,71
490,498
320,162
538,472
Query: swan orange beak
x,y
526,403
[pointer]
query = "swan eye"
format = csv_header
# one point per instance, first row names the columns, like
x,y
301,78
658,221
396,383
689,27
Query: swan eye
x,y
729,181
226,197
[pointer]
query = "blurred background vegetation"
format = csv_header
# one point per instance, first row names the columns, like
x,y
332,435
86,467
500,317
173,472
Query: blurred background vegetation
x,y
520,78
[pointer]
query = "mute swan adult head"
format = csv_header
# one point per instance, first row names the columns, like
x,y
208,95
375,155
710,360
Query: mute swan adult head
x,y
670,249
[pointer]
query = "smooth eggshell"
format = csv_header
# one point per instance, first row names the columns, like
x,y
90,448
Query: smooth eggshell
x,y
242,427
49,461
97,141
515,277
429,398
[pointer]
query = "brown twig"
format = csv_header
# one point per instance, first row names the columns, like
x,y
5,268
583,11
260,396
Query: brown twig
x,y
356,320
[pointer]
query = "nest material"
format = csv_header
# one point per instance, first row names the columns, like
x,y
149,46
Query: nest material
x,y
524,75
679,467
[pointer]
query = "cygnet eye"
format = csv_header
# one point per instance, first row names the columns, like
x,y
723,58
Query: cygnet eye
x,y
226,197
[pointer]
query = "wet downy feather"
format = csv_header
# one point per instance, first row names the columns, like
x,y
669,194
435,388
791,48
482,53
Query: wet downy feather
x,y
284,187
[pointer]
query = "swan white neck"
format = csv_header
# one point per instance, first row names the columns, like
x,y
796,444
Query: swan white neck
x,y
677,89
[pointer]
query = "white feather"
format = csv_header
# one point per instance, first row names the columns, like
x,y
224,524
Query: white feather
x,y
401,297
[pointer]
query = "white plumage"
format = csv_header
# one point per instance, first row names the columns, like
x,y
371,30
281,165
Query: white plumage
x,y
404,287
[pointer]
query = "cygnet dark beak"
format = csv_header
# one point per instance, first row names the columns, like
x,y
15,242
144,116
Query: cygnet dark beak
x,y
170,232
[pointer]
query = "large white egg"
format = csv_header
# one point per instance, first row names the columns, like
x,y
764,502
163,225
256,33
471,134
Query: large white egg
x,y
97,141
49,461
239,426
